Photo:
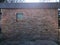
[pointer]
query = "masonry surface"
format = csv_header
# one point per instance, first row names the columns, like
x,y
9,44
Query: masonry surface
x,y
36,24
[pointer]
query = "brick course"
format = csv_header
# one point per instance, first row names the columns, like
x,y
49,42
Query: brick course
x,y
37,23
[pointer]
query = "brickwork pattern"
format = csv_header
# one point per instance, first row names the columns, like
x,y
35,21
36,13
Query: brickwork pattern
x,y
36,24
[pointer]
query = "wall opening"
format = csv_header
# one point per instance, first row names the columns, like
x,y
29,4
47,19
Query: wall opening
x,y
19,16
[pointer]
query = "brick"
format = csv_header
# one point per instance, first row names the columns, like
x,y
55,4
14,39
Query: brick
x,y
34,21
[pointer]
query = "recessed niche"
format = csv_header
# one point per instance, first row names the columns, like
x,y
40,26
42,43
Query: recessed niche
x,y
19,16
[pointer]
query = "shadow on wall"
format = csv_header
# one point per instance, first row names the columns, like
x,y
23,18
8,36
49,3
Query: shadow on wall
x,y
32,29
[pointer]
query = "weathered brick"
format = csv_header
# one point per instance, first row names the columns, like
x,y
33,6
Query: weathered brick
x,y
37,23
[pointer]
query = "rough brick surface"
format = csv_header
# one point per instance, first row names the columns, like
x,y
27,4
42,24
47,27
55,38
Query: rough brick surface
x,y
36,24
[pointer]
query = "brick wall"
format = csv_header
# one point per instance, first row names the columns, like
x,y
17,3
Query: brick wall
x,y
36,24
